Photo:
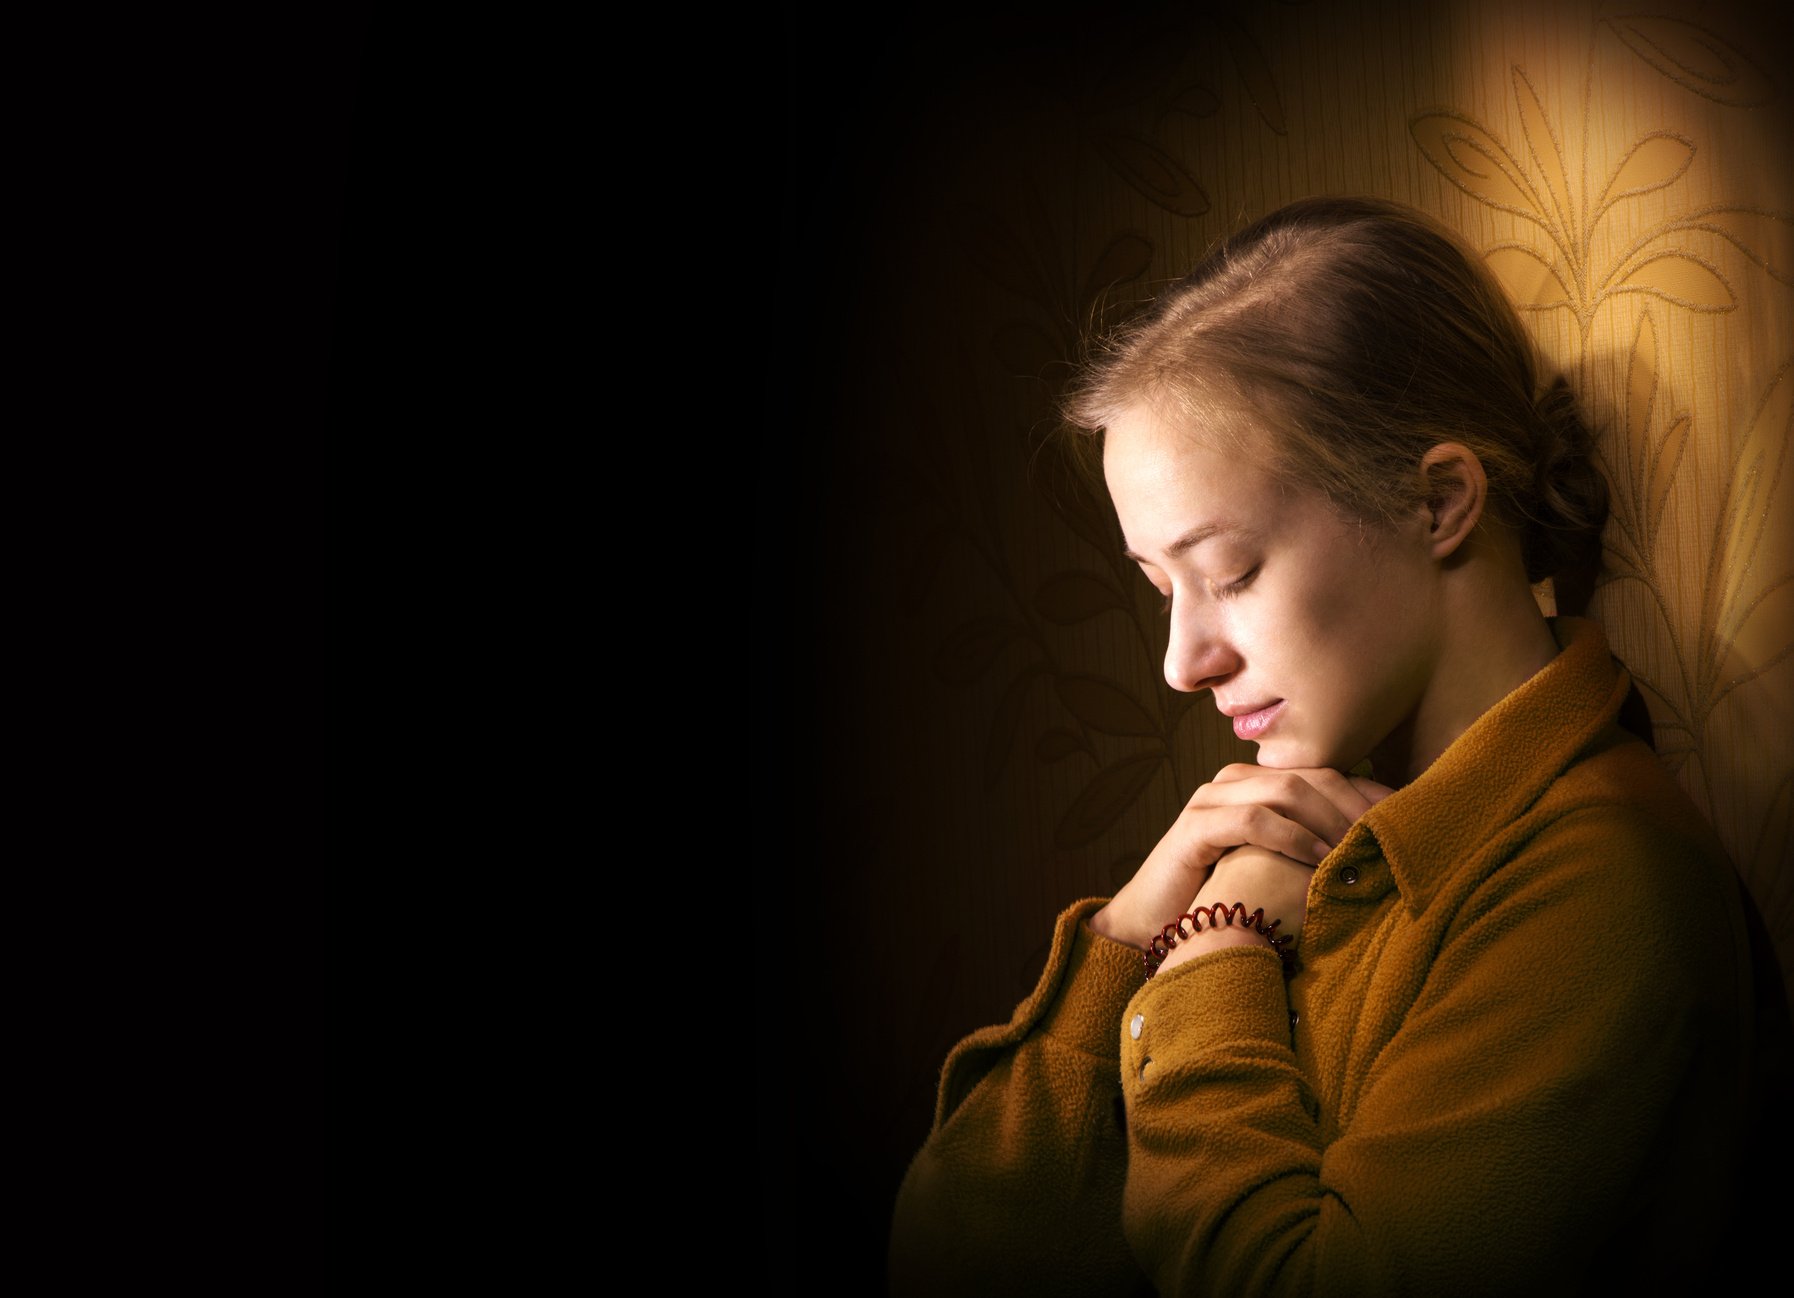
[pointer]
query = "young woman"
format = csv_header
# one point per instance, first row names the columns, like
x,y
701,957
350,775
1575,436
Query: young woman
x,y
1476,1022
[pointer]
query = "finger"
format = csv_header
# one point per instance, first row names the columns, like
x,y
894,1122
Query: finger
x,y
1339,789
1254,824
1352,794
1369,789
1262,878
1289,794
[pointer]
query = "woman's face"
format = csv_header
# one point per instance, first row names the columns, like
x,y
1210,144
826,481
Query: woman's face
x,y
1318,634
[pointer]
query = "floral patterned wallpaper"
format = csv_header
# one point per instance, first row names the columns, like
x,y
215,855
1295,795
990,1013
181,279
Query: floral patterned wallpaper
x,y
995,738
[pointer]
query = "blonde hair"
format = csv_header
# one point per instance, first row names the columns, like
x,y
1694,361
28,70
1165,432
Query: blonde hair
x,y
1360,334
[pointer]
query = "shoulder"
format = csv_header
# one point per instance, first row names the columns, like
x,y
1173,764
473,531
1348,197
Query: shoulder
x,y
1619,850
1622,811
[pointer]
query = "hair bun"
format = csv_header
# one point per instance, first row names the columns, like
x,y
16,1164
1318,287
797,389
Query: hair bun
x,y
1563,533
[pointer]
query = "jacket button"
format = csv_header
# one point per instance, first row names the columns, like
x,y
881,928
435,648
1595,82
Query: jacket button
x,y
1134,1027
1349,875
1294,1018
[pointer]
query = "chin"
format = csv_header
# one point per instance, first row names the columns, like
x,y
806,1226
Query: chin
x,y
1283,755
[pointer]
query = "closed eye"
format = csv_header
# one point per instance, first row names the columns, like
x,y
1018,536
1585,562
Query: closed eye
x,y
1227,591
1239,583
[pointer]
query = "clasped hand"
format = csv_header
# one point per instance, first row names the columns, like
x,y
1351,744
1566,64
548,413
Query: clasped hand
x,y
1252,834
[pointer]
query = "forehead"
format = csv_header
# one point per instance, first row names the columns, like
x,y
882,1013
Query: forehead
x,y
1162,435
1166,478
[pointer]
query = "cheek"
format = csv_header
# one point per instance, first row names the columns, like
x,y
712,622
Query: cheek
x,y
1367,586
1345,639
1331,615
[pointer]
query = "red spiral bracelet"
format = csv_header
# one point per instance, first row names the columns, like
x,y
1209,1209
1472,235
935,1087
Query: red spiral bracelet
x,y
1160,947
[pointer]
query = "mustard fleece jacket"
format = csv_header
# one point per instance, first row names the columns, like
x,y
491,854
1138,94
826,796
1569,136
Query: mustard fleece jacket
x,y
1512,1059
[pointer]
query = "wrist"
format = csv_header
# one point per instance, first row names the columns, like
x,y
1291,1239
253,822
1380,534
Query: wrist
x,y
1115,922
1212,928
1210,939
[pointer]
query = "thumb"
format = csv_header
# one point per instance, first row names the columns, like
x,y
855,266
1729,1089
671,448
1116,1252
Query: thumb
x,y
1372,791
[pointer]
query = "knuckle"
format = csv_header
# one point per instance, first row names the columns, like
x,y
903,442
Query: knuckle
x,y
1200,800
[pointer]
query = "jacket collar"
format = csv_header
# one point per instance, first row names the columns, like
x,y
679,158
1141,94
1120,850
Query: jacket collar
x,y
1493,772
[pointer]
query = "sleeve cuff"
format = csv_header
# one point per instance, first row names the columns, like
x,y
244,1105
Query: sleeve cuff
x,y
1077,1001
1100,976
1215,1000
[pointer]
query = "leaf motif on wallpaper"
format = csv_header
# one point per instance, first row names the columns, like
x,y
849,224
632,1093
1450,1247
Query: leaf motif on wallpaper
x,y
1642,467
1196,100
1103,801
1547,150
1747,644
1001,740
1010,255
1019,258
1695,58
1689,279
1736,636
1159,177
970,650
1180,702
1675,277
1656,160
1124,259
1069,598
1038,348
1571,267
1666,462
1530,279
1105,707
1075,503
1056,745
1768,860
1476,162
1750,229
1255,72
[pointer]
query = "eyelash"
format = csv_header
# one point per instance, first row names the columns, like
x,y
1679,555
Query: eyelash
x,y
1241,582
1228,591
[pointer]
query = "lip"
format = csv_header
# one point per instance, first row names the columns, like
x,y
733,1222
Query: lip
x,y
1253,720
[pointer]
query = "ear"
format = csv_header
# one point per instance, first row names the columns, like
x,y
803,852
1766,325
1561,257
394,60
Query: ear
x,y
1456,491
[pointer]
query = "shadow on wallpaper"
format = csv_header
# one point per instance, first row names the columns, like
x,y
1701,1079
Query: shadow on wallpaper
x,y
989,733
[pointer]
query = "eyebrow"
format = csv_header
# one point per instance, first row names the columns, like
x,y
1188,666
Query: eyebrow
x,y
1188,541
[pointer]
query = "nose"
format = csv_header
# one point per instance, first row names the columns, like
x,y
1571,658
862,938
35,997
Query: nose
x,y
1198,655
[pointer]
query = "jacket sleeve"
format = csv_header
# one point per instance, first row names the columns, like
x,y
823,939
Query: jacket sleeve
x,y
1511,1122
1018,1186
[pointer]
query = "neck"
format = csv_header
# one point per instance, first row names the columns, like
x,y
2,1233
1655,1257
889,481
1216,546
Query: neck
x,y
1494,640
